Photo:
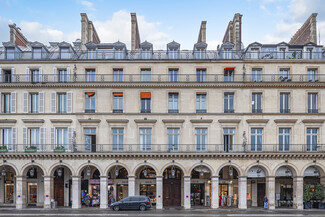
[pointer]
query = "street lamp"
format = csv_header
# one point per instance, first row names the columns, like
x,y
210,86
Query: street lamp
x,y
3,172
32,172
59,172
201,172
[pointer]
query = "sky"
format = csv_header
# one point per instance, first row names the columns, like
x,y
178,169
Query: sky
x,y
160,21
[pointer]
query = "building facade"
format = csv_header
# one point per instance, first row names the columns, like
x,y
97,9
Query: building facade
x,y
216,128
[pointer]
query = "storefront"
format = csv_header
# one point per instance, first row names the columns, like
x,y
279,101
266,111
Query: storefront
x,y
95,191
90,186
122,191
284,187
197,195
9,188
228,187
256,187
147,184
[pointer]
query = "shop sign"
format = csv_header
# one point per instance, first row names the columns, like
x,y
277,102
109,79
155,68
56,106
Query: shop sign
x,y
94,181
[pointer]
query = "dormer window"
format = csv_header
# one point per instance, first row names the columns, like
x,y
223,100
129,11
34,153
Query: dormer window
x,y
310,53
65,53
119,53
200,53
146,53
255,53
37,53
228,53
10,53
282,53
173,53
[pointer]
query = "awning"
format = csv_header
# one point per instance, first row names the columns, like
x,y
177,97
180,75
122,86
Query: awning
x,y
145,95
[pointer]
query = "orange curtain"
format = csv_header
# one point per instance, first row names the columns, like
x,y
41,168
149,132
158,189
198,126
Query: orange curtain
x,y
89,94
145,95
117,94
201,93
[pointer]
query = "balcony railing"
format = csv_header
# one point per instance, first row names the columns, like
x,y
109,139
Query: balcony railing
x,y
312,110
89,110
201,111
229,111
165,148
145,110
159,78
284,110
163,55
117,110
172,110
257,110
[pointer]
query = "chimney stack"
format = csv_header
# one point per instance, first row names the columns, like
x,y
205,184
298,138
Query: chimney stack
x,y
233,32
88,32
16,36
202,33
135,36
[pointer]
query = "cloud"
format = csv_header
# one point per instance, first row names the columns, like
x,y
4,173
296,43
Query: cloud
x,y
89,5
4,29
300,10
212,45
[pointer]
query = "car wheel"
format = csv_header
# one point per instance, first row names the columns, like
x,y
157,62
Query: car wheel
x,y
142,208
116,208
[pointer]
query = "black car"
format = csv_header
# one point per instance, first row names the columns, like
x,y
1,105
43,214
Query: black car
x,y
134,202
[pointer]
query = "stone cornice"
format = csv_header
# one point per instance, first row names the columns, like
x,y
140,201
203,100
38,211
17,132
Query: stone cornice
x,y
89,121
61,120
141,121
285,121
313,121
8,121
117,121
167,121
231,121
197,121
33,121
257,121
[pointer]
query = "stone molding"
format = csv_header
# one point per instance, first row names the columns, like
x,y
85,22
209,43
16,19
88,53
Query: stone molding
x,y
145,121
8,121
33,121
257,121
61,120
201,121
117,121
230,121
313,121
167,121
88,121
285,121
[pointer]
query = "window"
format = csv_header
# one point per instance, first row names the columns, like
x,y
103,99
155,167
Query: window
x,y
256,75
310,53
255,53
201,75
173,103
173,75
173,54
256,139
256,103
62,102
10,53
117,75
146,53
6,102
145,139
7,76
312,139
90,139
173,139
201,139
145,102
62,137
35,75
284,75
90,102
34,103
34,138
228,53
90,75
63,75
312,103
145,75
6,138
228,139
282,53
312,75
201,103
284,103
117,102
229,103
229,74
200,53
37,53
284,139
65,53
118,139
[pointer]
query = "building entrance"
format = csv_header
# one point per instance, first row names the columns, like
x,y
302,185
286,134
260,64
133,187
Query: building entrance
x,y
172,187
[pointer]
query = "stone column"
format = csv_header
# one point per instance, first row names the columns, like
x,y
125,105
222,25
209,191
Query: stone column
x,y
131,185
76,192
159,192
270,191
298,195
214,192
21,192
254,193
242,192
187,192
2,186
103,192
48,182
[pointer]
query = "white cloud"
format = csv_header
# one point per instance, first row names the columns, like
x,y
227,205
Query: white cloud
x,y
89,5
212,45
300,10
4,29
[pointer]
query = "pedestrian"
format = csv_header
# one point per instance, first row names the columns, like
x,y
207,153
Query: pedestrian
x,y
265,200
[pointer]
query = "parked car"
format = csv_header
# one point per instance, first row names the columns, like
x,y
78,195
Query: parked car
x,y
134,202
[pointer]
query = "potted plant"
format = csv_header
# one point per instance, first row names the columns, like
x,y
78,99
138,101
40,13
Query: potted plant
x,y
3,148
308,195
30,149
319,195
59,148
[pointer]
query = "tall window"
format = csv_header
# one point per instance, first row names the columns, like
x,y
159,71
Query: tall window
x,y
312,103
6,108
284,75
63,75
312,75
145,75
146,53
10,53
284,139
173,53
201,75
145,139
117,75
35,75
173,103
145,102
7,76
118,139
229,103
201,106
37,53
6,138
256,75
256,103
256,139
90,75
62,103
90,139
90,102
34,102
117,102
173,139
201,139
312,139
62,137
284,103
228,53
34,137
229,74
200,53
173,75
228,139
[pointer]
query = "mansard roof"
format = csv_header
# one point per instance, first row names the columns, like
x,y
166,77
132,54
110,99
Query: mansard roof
x,y
64,44
146,44
200,45
173,44
119,44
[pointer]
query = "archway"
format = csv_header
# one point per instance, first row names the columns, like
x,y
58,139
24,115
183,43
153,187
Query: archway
x,y
256,186
312,177
90,186
284,189
62,185
35,185
145,183
7,186
117,183
172,186
228,187
201,186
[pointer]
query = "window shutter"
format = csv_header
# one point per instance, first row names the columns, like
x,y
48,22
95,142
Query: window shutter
x,y
13,75
52,138
0,75
54,75
53,102
14,138
41,74
25,102
41,102
27,74
68,74
13,102
43,138
69,102
71,139
24,137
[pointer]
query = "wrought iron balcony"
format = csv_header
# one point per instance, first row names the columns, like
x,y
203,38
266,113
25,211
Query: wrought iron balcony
x,y
172,110
201,111
117,110
145,110
312,110
286,110
257,110
89,110
229,111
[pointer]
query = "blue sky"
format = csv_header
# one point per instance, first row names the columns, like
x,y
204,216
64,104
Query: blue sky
x,y
265,21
